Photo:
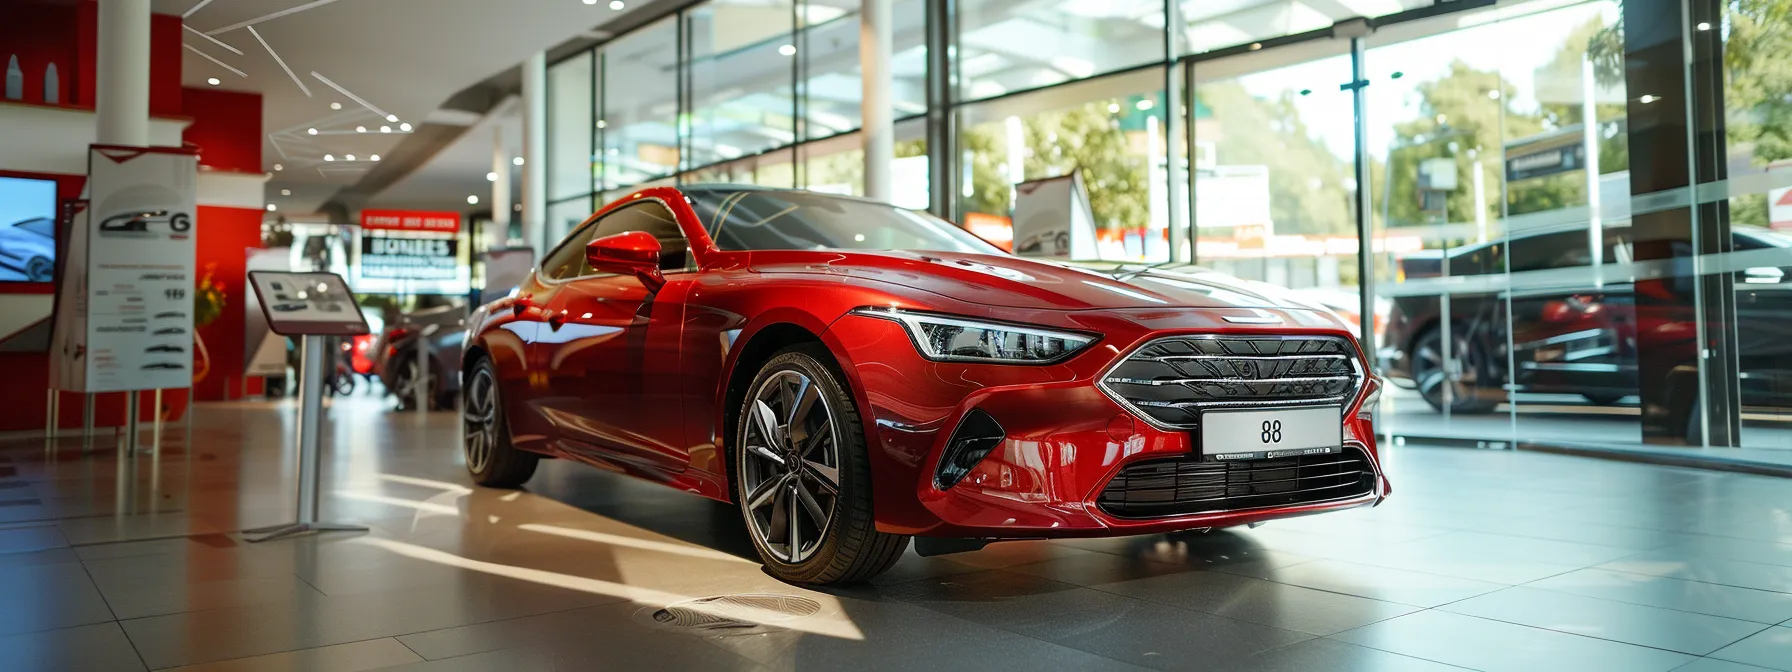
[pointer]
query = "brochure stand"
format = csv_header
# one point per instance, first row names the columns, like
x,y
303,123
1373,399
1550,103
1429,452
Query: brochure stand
x,y
310,306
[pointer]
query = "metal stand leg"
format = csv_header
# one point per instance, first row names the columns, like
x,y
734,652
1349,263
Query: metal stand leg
x,y
311,402
130,422
155,440
86,422
51,415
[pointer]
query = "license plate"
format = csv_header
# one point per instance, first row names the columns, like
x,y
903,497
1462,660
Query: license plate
x,y
1281,432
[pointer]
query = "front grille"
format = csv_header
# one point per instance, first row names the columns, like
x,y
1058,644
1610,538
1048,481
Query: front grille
x,y
1171,379
1181,486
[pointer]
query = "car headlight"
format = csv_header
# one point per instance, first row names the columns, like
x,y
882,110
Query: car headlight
x,y
953,339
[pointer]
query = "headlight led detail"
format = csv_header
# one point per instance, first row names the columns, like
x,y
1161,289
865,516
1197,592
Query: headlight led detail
x,y
951,339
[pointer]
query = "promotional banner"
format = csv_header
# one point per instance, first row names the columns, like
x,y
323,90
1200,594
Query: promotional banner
x,y
1052,219
409,258
264,351
128,286
410,220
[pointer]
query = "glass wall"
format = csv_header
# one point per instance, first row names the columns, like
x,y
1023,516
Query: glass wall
x,y
1557,244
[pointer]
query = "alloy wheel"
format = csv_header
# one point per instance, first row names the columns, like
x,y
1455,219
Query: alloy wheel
x,y
479,419
790,467
1433,374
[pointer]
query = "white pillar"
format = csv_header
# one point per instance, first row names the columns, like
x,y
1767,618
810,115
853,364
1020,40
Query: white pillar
x,y
499,236
876,109
122,77
535,150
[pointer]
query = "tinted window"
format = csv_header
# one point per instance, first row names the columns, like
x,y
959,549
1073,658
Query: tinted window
x,y
655,219
1567,249
565,261
802,220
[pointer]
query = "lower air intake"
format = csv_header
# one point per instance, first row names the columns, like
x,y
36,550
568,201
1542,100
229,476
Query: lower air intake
x,y
1183,486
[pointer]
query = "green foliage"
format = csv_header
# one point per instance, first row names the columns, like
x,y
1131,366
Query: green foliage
x,y
1308,184
1087,138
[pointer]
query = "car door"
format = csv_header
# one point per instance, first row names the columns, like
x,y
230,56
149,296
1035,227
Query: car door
x,y
525,385
610,348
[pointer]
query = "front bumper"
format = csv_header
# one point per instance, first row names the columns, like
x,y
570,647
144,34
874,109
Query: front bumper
x,y
1065,439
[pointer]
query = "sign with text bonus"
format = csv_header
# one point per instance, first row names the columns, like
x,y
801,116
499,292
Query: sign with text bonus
x,y
409,258
410,220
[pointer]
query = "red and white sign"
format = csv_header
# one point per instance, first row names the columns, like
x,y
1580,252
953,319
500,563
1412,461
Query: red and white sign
x,y
410,220
1779,208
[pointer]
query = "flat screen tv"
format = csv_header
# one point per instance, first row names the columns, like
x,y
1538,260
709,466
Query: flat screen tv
x,y
27,229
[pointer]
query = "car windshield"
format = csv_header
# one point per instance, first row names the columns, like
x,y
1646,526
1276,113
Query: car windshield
x,y
775,219
39,226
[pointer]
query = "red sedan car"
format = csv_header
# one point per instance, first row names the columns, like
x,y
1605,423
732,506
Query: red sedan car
x,y
853,374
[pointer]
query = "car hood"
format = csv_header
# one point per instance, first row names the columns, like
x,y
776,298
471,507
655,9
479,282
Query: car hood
x,y
1034,284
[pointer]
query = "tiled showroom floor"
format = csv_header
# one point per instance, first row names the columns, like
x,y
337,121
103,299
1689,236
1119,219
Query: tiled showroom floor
x,y
1481,560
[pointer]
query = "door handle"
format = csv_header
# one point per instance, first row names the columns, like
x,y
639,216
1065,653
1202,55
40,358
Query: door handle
x,y
556,319
521,304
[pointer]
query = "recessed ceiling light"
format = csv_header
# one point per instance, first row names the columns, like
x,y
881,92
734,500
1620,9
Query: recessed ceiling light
x,y
375,157
328,157
349,157
491,177
213,81
601,123
279,167
1113,108
360,129
1704,26
516,161
787,49
1646,99
385,129
590,2
285,192
271,207
1145,104
311,131
472,200
616,5
391,117
406,127
335,106
518,207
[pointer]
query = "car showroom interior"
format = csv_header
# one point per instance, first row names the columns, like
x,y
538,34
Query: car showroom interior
x,y
1215,335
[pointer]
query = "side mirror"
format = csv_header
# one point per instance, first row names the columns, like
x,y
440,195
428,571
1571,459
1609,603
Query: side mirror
x,y
1763,275
635,253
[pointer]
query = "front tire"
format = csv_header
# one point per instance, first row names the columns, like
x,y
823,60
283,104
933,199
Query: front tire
x,y
1469,391
491,459
803,475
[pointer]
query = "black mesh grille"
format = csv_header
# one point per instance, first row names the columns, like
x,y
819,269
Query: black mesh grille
x,y
1171,379
1181,486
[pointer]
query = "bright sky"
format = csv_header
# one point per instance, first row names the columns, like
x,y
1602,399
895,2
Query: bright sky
x,y
1515,47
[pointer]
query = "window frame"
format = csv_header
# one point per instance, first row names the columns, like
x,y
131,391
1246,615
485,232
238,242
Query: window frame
x,y
593,221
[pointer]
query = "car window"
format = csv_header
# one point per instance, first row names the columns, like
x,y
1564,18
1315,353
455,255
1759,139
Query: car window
x,y
567,260
655,219
1567,249
784,219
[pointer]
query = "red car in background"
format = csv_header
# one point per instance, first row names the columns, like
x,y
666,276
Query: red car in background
x,y
853,374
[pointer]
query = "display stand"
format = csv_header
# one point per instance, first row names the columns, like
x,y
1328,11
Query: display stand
x,y
310,306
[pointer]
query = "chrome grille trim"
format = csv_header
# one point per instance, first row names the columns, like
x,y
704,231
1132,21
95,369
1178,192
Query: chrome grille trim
x,y
1168,380
1187,485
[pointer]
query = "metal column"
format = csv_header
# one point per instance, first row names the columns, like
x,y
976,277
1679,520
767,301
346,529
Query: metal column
x,y
311,407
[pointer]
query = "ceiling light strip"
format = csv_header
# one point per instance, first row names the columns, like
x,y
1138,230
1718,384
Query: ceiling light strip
x,y
208,57
282,62
195,8
269,17
345,92
214,40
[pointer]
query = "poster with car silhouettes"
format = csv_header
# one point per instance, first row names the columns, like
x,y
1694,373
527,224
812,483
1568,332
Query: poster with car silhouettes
x,y
125,317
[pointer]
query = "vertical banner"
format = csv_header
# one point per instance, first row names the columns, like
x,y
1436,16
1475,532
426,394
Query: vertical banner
x,y
264,352
130,274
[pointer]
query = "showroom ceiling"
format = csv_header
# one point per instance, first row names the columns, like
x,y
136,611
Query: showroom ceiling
x,y
345,81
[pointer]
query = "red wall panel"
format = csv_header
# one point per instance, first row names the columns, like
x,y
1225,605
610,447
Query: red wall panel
x,y
226,128
40,33
225,236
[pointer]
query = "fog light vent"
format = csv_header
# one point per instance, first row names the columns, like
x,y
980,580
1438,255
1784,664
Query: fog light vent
x,y
976,435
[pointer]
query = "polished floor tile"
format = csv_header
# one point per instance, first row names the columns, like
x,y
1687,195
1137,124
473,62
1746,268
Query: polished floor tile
x,y
373,654
1259,601
1772,649
138,565
1494,646
1681,631
1761,606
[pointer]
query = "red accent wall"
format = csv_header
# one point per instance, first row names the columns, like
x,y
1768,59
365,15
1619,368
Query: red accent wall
x,y
41,33
225,236
226,128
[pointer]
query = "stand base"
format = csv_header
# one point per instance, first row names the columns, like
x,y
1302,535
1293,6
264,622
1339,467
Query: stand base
x,y
295,529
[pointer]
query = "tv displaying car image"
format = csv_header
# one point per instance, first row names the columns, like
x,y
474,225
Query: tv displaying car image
x,y
27,230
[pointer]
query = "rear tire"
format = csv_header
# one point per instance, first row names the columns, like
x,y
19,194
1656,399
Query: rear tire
x,y
802,474
1469,393
491,459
